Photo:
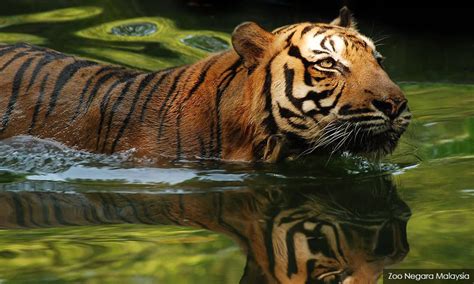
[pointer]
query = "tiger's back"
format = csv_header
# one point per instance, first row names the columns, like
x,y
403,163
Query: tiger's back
x,y
105,108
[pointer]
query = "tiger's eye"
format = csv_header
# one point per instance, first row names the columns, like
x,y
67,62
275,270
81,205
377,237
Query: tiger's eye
x,y
326,63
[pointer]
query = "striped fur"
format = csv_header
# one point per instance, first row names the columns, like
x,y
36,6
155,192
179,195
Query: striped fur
x,y
305,235
302,89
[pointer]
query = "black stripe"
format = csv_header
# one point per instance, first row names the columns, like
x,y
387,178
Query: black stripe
x,y
89,212
323,43
103,108
319,52
320,31
14,58
326,249
143,84
251,69
19,213
337,241
218,205
45,208
297,103
292,265
165,210
88,208
101,82
58,213
269,121
289,38
346,43
146,213
308,79
121,212
109,201
331,43
202,147
307,29
164,107
115,106
104,206
317,97
268,238
310,266
136,214
39,66
12,48
81,97
95,214
196,86
319,242
284,29
220,91
295,215
86,88
182,210
17,80
322,245
294,51
30,211
63,78
289,81
288,114
342,68
210,153
152,92
39,101
326,110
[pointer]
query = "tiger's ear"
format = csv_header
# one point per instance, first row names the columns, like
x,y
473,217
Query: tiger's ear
x,y
250,41
345,19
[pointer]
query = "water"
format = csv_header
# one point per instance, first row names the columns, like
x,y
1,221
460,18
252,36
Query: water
x,y
72,216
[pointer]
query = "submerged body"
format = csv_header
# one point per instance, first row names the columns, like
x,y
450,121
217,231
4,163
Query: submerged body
x,y
102,108
300,89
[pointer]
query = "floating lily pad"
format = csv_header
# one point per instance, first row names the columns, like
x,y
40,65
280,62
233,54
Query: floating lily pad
x,y
135,29
207,43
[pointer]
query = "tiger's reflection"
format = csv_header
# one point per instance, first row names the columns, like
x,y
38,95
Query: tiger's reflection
x,y
338,233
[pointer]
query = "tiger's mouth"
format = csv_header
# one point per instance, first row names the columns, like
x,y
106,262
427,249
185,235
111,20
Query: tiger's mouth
x,y
360,137
381,140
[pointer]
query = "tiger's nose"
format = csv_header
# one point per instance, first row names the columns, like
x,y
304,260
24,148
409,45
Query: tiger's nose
x,y
391,107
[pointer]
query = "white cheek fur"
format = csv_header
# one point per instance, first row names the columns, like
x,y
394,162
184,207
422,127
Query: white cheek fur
x,y
308,105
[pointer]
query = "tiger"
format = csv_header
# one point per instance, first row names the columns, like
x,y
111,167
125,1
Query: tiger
x,y
301,89
339,233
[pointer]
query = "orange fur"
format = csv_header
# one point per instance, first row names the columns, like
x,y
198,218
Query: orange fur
x,y
249,103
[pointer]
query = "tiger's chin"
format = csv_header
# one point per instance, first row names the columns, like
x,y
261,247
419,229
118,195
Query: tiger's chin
x,y
375,145
373,142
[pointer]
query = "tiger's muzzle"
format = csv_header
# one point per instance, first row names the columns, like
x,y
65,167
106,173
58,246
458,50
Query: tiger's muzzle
x,y
374,123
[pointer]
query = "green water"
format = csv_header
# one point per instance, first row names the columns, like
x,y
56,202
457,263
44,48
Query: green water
x,y
56,230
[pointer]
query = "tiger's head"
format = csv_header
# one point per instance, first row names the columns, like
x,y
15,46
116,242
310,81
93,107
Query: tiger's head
x,y
322,86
